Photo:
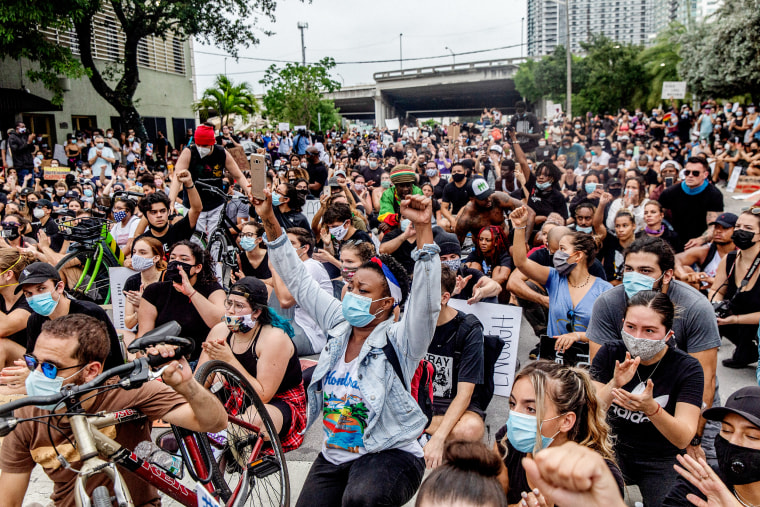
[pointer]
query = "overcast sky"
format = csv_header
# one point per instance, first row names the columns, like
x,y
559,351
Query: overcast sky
x,y
360,30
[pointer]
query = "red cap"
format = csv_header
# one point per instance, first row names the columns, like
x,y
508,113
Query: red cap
x,y
204,135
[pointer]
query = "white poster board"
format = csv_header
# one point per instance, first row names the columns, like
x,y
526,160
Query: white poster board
x,y
118,278
310,208
392,123
734,179
283,126
502,321
673,89
60,154
299,127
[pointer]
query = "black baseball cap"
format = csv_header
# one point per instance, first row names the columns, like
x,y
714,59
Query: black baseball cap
x,y
744,402
252,289
725,220
37,272
44,203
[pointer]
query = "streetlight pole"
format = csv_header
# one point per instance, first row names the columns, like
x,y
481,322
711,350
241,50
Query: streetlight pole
x,y
522,36
453,55
569,87
400,54
302,26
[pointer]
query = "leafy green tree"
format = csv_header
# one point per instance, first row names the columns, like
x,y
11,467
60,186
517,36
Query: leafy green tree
x,y
660,61
295,93
229,24
227,98
719,57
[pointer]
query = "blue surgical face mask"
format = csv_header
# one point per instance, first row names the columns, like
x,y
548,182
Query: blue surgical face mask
x,y
356,309
44,304
589,187
404,224
88,192
521,432
275,199
37,384
634,283
585,230
544,185
247,244
454,264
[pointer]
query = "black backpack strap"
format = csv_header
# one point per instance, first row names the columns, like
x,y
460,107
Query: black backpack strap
x,y
390,353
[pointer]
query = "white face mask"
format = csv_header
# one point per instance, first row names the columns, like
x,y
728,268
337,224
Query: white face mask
x,y
203,151
38,213
339,232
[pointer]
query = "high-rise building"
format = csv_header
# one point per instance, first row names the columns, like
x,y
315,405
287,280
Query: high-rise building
x,y
627,21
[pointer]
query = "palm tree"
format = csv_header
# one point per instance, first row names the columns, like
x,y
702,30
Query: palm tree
x,y
661,63
227,98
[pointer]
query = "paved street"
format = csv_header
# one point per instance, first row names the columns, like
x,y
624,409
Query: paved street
x,y
300,460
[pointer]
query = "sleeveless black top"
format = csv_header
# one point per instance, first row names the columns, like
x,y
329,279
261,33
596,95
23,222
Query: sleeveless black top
x,y
209,170
249,360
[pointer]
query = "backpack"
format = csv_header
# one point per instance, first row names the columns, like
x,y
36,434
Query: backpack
x,y
421,386
492,346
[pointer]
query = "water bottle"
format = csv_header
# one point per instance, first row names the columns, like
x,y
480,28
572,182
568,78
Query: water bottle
x,y
150,452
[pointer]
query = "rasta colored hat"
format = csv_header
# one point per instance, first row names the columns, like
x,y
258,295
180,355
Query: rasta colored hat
x,y
204,135
403,173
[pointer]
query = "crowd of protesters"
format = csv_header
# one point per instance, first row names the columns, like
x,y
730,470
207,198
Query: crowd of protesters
x,y
608,230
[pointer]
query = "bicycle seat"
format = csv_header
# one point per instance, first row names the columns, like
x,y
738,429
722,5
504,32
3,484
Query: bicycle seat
x,y
165,333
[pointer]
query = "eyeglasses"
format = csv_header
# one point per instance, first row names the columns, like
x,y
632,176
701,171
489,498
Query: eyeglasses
x,y
237,306
48,369
247,235
693,172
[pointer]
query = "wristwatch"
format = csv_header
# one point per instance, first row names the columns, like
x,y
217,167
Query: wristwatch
x,y
696,441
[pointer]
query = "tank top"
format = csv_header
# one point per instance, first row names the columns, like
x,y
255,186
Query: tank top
x,y
209,170
249,360
712,260
747,301
261,272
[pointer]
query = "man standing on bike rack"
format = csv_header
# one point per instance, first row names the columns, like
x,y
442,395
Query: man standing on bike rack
x,y
71,350
207,162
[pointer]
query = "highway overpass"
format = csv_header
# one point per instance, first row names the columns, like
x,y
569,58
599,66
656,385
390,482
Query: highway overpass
x,y
462,89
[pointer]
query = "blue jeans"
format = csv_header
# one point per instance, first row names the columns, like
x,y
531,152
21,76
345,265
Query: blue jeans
x,y
376,479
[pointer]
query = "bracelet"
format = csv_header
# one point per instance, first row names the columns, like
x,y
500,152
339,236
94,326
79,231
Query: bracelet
x,y
191,295
659,407
191,186
523,227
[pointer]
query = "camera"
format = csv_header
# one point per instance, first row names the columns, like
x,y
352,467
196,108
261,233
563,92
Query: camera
x,y
722,309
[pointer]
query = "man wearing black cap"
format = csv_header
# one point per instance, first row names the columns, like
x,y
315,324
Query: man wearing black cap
x,y
316,169
44,291
44,213
707,257
738,449
472,285
487,207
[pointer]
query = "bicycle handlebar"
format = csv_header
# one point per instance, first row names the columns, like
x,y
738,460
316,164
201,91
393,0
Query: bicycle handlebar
x,y
221,194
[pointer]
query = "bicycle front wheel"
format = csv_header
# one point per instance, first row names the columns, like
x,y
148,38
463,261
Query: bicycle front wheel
x,y
223,259
85,273
248,454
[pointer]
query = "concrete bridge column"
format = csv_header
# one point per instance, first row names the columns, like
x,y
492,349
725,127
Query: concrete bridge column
x,y
380,110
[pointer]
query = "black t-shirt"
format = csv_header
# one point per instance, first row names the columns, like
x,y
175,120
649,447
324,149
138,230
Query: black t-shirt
x,y
544,202
650,177
543,257
403,253
372,174
612,258
173,305
35,322
677,378
317,174
689,212
458,197
56,238
133,283
527,123
291,219
450,368
518,481
209,170
437,188
177,232
20,336
503,260
544,153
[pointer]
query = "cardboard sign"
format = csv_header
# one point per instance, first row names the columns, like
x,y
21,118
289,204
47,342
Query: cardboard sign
x,y
238,155
283,126
504,322
118,278
673,89
55,173
453,132
734,179
392,123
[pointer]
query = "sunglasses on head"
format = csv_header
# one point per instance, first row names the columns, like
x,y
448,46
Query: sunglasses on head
x,y
755,210
693,172
48,369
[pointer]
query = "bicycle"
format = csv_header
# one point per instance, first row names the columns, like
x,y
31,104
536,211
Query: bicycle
x,y
221,246
92,253
241,474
